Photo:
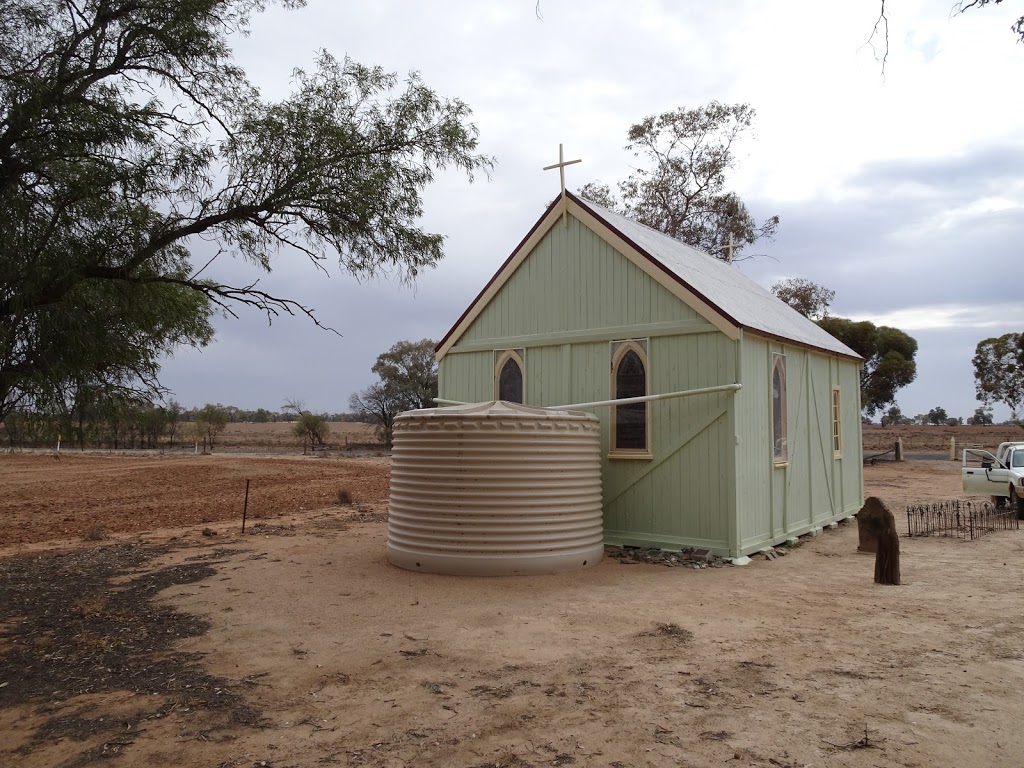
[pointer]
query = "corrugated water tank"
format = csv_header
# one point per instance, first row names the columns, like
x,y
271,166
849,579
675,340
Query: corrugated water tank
x,y
495,489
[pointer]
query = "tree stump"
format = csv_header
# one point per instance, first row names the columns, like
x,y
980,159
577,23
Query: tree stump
x,y
877,530
887,558
869,520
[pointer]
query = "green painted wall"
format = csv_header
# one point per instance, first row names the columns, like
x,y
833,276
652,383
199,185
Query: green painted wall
x,y
574,281
569,299
814,488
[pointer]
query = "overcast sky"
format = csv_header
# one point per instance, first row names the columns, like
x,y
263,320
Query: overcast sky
x,y
904,194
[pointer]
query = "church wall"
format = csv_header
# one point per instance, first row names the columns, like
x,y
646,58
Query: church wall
x,y
813,487
574,283
572,297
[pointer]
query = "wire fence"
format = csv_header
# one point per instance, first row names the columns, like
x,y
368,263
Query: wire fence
x,y
960,519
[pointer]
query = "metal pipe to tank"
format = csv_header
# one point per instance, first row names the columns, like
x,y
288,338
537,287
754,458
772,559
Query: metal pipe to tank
x,y
622,400
647,398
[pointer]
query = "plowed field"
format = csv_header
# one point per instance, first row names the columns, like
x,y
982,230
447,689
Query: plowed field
x,y
81,495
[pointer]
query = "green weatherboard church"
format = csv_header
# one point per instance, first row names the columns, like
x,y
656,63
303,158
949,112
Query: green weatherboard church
x,y
593,306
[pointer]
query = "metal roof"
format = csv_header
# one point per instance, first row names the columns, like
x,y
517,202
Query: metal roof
x,y
722,286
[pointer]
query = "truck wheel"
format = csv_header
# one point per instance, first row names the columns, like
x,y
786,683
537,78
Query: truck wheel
x,y
998,501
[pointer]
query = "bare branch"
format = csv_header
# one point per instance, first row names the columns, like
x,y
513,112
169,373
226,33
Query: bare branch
x,y
881,22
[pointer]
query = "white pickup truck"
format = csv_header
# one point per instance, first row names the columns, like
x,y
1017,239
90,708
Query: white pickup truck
x,y
1000,476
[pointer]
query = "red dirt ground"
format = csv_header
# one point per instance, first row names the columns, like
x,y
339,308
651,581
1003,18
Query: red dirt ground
x,y
324,654
91,494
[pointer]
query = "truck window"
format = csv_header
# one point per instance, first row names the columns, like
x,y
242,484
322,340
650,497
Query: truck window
x,y
1016,459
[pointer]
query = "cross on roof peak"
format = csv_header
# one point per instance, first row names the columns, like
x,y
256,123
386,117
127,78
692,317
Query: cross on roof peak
x,y
560,165
730,248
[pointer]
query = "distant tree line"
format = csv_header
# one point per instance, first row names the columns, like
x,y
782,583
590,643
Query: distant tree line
x,y
889,361
938,417
94,417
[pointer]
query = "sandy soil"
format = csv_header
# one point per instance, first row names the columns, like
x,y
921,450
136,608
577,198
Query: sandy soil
x,y
298,645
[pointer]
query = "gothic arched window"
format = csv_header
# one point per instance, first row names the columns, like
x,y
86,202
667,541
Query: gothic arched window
x,y
509,378
630,421
780,452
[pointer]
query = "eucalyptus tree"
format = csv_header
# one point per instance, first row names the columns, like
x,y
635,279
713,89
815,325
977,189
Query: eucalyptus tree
x,y
410,368
132,147
889,358
210,421
999,372
810,299
679,186
407,380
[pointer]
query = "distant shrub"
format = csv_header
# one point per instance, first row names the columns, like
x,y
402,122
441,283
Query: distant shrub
x,y
96,533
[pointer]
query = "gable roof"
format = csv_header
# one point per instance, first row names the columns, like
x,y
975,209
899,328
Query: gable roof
x,y
715,289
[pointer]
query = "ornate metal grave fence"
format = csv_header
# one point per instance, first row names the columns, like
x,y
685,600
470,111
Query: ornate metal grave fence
x,y
960,519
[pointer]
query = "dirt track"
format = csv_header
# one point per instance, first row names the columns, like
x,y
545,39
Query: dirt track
x,y
298,645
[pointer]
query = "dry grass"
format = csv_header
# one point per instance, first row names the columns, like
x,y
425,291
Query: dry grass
x,y
936,439
280,435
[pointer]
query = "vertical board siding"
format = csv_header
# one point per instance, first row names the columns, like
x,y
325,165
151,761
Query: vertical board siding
x,y
686,497
814,488
573,281
851,470
711,482
760,500
467,377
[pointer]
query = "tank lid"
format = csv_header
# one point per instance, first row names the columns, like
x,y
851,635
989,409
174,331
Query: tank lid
x,y
497,409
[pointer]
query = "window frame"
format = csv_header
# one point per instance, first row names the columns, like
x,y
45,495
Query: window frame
x,y
780,458
837,422
502,356
618,350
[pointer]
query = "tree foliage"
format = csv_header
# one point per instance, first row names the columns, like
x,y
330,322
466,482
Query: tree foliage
x,y
809,299
174,411
680,188
210,421
894,417
999,371
87,415
410,368
888,358
408,380
129,138
982,417
381,404
309,427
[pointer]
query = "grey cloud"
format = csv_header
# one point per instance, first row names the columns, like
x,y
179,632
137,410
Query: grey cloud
x,y
581,77
982,168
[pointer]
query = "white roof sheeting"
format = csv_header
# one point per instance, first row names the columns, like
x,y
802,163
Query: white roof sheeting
x,y
721,285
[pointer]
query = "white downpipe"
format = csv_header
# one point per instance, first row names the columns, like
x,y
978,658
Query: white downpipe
x,y
622,400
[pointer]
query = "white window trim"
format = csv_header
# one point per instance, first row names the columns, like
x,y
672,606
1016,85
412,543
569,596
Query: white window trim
x,y
619,349
502,356
837,422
